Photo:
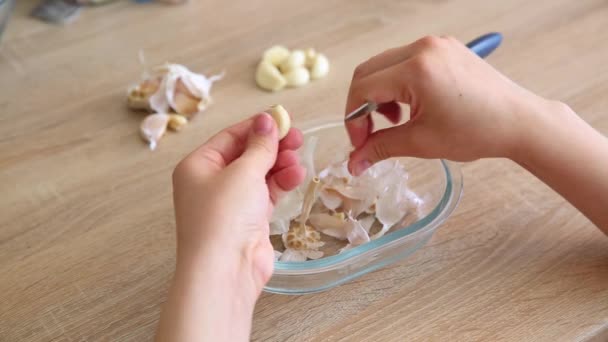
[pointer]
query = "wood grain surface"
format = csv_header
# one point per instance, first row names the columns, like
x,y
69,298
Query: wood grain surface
x,y
86,221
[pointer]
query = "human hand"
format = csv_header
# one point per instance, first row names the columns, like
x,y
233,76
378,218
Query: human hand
x,y
460,107
225,190
223,194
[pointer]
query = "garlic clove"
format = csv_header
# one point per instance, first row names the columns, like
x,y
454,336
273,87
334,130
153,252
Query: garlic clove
x,y
320,67
296,59
177,122
184,102
153,127
281,117
138,97
310,55
297,77
276,55
268,77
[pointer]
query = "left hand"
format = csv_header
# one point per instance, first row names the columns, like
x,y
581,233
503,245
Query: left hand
x,y
224,193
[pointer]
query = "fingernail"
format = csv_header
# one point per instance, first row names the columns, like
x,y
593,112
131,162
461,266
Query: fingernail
x,y
262,124
361,166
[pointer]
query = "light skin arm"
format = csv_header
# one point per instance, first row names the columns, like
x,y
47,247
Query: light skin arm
x,y
571,157
463,109
224,255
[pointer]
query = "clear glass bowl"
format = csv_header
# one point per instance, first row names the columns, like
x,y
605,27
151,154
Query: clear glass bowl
x,y
438,182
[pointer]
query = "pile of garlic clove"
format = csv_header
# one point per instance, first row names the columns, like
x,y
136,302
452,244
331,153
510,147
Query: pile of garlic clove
x,y
280,68
173,94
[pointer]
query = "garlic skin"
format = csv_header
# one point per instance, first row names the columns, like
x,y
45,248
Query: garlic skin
x,y
268,77
276,55
182,90
349,211
297,77
320,67
153,127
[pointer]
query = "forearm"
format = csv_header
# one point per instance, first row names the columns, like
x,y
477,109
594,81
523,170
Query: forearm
x,y
211,299
571,157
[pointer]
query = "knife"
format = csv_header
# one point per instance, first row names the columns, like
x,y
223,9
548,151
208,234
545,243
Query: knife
x,y
482,46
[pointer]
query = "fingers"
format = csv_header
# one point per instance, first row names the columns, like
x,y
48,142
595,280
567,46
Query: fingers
x,y
385,86
285,180
262,145
285,159
391,110
387,59
382,79
286,174
292,141
221,149
383,144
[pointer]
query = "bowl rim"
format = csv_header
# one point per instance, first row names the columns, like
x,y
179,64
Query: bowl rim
x,y
443,209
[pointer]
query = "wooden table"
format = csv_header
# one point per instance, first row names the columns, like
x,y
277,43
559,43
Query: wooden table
x,y
87,231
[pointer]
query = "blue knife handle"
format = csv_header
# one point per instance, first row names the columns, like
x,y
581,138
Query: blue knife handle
x,y
486,44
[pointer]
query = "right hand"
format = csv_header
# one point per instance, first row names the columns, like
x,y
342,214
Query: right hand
x,y
460,107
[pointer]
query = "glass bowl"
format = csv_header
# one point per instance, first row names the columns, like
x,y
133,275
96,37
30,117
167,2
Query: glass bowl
x,y
437,182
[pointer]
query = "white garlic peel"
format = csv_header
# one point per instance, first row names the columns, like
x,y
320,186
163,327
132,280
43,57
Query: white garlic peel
x,y
281,117
280,67
349,210
268,77
153,127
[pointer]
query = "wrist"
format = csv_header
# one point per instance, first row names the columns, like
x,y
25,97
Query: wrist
x,y
541,123
228,263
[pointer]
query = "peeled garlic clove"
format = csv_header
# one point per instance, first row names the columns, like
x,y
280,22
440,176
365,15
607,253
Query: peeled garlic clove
x,y
177,122
153,127
268,77
296,59
320,67
281,117
297,77
276,55
310,55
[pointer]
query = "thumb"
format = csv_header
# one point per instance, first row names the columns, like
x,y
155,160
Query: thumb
x,y
262,144
397,141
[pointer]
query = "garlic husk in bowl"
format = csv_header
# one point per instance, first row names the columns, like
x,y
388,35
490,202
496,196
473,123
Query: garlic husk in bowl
x,y
354,241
